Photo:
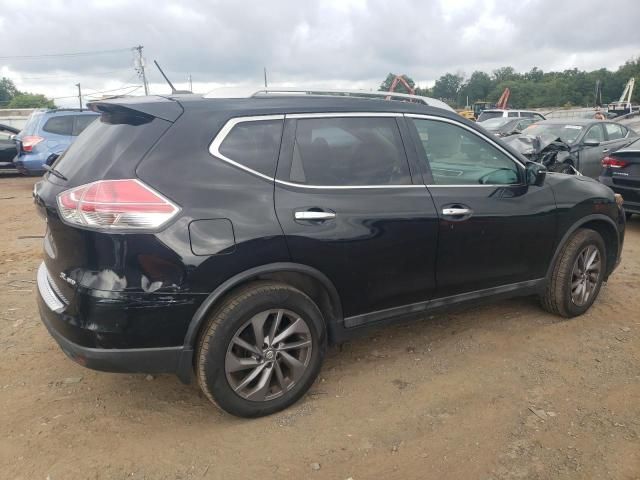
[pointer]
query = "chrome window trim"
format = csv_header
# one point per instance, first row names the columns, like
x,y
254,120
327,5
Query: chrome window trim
x,y
343,114
214,148
346,187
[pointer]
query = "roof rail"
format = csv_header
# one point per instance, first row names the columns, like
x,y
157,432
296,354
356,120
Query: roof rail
x,y
432,102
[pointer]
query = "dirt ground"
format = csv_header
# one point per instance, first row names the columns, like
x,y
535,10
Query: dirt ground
x,y
498,392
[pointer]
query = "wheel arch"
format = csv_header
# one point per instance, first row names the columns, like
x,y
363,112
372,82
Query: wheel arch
x,y
607,229
307,279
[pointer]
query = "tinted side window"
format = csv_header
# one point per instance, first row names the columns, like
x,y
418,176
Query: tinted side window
x,y
254,144
457,156
614,132
595,134
82,122
348,152
62,125
512,114
526,114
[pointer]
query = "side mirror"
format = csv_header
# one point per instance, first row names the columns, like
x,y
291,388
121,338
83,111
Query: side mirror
x,y
591,143
535,174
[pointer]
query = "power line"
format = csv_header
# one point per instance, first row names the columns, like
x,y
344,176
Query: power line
x,y
53,75
73,54
134,87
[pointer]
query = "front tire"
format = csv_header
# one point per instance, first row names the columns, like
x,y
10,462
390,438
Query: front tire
x,y
261,349
577,275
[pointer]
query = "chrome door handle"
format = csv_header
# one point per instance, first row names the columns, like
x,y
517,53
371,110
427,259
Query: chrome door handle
x,y
456,211
605,150
314,215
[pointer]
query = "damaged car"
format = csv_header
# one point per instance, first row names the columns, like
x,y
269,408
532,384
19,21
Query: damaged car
x,y
505,127
565,145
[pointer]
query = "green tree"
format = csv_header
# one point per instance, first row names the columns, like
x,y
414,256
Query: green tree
x,y
505,74
8,90
477,87
447,87
30,100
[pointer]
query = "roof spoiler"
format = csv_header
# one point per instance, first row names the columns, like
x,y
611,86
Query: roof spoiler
x,y
152,106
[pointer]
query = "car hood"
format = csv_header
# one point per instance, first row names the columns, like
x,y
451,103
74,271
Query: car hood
x,y
534,144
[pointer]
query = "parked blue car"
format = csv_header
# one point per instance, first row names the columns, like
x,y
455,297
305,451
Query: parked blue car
x,y
46,135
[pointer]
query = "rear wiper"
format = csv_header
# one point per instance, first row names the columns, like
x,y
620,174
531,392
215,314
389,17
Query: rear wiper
x,y
55,172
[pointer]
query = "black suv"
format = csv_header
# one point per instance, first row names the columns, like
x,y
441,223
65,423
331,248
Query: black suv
x,y
232,240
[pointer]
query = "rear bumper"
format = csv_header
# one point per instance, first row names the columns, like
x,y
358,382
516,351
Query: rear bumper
x,y
168,359
631,195
30,164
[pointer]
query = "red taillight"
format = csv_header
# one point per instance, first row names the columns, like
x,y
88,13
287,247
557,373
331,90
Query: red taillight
x,y
116,204
30,141
614,162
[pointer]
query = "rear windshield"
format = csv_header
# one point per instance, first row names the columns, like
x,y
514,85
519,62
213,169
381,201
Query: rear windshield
x,y
487,115
62,125
31,126
102,144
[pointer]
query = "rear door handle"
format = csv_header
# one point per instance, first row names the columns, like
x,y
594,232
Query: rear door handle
x,y
453,211
314,215
605,150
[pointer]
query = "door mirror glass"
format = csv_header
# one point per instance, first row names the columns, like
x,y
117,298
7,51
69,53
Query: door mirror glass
x,y
535,174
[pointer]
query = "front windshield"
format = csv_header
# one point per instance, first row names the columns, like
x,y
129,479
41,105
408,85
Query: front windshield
x,y
566,132
496,122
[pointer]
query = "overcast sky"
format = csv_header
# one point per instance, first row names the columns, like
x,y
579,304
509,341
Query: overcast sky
x,y
331,43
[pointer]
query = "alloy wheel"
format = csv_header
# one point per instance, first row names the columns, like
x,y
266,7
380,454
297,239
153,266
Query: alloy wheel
x,y
268,355
585,275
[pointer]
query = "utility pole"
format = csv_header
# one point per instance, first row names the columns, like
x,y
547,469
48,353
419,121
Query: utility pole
x,y
141,67
79,95
265,77
190,84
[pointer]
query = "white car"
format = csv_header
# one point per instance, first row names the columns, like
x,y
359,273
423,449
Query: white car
x,y
497,113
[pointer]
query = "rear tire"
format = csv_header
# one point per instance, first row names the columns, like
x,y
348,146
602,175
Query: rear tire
x,y
577,275
240,367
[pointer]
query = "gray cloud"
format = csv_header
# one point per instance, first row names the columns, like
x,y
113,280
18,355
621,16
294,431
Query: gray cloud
x,y
345,42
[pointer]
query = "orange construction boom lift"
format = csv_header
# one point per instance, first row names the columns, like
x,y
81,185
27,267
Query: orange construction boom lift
x,y
503,101
400,79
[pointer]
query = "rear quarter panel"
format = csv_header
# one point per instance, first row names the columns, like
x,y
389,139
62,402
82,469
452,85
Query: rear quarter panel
x,y
206,188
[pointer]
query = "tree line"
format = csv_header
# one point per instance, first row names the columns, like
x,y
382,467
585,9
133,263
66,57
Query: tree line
x,y
531,89
11,97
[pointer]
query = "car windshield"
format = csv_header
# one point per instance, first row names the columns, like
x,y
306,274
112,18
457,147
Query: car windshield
x,y
487,115
497,122
566,132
